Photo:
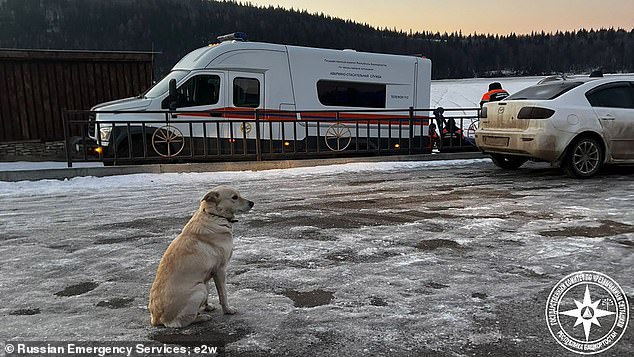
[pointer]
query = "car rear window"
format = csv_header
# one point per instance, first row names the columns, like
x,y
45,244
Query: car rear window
x,y
545,91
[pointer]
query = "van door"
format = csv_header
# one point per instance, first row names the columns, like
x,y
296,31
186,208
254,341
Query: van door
x,y
614,105
246,90
246,93
197,94
202,91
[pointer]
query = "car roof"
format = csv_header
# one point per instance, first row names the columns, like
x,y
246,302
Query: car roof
x,y
589,83
557,87
586,79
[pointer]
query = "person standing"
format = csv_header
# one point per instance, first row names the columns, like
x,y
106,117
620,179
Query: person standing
x,y
494,94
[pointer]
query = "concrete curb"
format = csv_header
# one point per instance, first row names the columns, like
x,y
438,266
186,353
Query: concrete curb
x,y
67,173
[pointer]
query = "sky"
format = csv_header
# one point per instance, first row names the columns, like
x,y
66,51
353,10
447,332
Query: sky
x,y
469,16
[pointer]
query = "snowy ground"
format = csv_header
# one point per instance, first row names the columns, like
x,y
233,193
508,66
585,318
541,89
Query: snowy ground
x,y
466,93
409,258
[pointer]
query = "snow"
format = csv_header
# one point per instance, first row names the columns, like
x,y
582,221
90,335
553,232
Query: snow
x,y
466,93
90,183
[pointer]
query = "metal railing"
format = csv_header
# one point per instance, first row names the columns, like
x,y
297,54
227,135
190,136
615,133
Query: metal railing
x,y
138,137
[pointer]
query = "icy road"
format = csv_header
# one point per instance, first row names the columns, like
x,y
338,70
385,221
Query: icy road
x,y
416,258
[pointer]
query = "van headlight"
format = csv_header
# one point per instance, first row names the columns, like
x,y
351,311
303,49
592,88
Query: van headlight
x,y
104,133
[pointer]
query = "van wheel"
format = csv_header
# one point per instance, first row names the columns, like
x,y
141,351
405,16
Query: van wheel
x,y
584,158
123,152
508,162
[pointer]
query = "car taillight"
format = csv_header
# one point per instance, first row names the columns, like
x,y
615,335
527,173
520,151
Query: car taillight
x,y
483,112
535,113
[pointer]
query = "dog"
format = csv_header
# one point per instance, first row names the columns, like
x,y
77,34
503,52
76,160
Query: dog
x,y
200,253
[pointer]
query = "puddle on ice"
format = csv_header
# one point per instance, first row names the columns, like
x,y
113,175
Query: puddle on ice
x,y
24,312
605,229
311,298
432,244
78,289
116,303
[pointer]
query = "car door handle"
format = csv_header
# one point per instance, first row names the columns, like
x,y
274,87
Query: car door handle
x,y
607,117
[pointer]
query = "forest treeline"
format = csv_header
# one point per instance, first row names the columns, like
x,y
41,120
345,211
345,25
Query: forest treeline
x,y
175,27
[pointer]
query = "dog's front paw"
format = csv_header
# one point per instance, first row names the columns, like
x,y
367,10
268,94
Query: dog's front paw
x,y
209,308
228,311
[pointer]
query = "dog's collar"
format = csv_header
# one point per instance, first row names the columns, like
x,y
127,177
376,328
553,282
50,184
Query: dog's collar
x,y
223,217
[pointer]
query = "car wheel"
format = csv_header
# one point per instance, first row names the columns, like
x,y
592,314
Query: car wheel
x,y
508,162
584,158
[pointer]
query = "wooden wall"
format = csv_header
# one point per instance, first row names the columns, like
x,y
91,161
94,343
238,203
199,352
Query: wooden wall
x,y
36,86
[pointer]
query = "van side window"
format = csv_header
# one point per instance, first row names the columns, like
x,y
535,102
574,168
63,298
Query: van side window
x,y
199,90
617,95
351,94
246,92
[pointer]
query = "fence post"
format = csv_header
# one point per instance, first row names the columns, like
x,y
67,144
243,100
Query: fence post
x,y
258,149
438,115
410,122
69,160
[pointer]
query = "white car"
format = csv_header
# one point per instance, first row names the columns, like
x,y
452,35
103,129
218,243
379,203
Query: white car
x,y
576,123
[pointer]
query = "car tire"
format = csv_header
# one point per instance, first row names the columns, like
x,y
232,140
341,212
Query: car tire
x,y
584,158
508,162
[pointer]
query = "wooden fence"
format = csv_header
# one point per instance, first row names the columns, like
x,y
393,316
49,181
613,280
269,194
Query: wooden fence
x,y
36,86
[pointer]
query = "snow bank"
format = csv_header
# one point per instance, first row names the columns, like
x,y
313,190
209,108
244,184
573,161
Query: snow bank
x,y
208,179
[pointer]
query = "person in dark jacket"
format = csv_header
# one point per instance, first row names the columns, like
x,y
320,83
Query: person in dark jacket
x,y
494,94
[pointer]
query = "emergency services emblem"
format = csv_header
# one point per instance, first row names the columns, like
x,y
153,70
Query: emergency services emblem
x,y
587,312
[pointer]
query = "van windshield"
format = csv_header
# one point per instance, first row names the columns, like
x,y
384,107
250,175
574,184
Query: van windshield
x,y
163,86
545,91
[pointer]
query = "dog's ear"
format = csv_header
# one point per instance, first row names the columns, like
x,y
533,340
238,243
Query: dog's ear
x,y
211,196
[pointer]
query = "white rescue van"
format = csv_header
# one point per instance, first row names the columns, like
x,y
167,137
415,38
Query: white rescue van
x,y
283,81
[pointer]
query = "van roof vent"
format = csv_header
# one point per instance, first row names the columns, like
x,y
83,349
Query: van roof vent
x,y
236,36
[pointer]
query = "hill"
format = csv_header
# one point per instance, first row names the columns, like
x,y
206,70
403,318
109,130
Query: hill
x,y
174,27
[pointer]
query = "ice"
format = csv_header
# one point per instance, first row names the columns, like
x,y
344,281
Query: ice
x,y
440,258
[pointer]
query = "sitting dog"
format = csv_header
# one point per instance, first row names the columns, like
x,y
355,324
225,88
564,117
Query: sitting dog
x,y
201,252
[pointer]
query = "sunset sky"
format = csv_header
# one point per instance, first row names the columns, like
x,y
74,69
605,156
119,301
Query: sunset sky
x,y
488,16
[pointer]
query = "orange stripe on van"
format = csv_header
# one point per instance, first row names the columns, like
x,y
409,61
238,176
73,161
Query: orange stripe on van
x,y
281,115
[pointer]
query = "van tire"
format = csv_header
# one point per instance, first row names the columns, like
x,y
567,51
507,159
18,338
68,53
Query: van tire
x,y
584,158
508,162
137,150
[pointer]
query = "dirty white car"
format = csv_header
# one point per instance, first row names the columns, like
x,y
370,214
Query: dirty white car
x,y
576,123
